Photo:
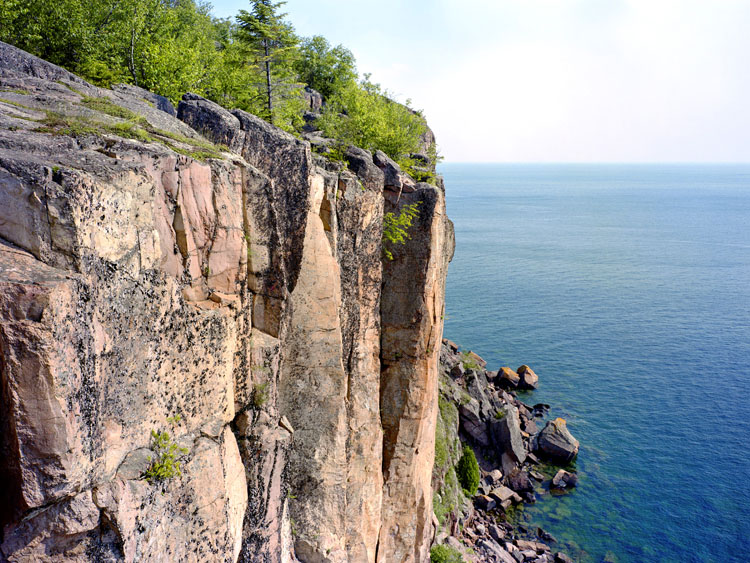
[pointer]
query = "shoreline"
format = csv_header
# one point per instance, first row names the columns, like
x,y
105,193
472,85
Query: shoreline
x,y
519,454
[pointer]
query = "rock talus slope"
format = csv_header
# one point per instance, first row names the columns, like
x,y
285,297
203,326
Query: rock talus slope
x,y
209,267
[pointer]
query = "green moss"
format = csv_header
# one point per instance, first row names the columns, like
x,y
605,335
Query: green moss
x,y
129,130
442,455
105,105
467,471
445,554
467,359
15,91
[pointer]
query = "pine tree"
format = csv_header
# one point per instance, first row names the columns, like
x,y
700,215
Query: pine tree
x,y
265,32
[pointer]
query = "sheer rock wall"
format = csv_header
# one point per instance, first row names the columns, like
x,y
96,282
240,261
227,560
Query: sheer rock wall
x,y
246,293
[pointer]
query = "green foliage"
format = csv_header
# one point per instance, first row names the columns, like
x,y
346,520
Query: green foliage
x,y
272,44
396,227
467,359
361,114
256,64
260,394
445,554
168,456
326,69
467,471
501,414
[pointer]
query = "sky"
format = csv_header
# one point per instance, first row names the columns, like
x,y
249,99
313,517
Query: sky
x,y
554,80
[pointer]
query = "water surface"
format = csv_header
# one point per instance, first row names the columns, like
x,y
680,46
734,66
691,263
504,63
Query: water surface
x,y
627,289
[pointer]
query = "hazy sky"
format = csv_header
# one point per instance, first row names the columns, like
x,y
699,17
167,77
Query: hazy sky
x,y
555,80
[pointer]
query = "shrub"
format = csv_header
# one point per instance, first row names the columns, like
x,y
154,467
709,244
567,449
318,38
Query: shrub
x,y
467,471
363,115
445,554
165,464
396,229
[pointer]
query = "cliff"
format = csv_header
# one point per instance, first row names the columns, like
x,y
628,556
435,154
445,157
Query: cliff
x,y
201,272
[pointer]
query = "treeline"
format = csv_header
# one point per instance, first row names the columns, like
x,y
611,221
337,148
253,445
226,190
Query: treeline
x,y
255,62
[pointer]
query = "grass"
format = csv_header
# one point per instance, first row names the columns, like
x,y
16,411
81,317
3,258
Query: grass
x,y
105,105
15,91
17,104
133,126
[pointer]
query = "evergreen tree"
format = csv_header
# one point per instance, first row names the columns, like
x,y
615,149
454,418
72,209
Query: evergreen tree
x,y
272,39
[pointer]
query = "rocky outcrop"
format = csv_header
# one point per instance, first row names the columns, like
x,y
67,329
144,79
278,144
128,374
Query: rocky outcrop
x,y
212,268
501,431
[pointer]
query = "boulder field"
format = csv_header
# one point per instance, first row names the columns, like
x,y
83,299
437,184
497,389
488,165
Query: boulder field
x,y
517,461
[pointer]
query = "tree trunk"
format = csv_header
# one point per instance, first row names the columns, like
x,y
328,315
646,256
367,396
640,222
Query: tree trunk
x,y
268,81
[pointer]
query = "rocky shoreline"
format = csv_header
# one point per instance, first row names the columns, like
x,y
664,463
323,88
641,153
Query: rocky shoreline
x,y
481,417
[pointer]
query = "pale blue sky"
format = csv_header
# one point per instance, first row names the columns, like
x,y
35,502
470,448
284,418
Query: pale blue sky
x,y
555,80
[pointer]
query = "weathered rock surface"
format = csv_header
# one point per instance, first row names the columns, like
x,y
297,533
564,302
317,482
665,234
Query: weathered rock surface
x,y
556,442
528,379
246,293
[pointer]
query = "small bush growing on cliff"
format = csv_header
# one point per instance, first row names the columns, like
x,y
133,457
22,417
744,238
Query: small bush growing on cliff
x,y
467,471
260,394
396,228
168,456
445,554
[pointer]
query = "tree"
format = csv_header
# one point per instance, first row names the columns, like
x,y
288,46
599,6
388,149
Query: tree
x,y
322,67
265,31
363,115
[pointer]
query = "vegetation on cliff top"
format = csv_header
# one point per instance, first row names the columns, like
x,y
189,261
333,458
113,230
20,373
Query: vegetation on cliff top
x,y
256,63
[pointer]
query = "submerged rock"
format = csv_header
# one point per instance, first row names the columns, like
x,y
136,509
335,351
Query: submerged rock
x,y
564,480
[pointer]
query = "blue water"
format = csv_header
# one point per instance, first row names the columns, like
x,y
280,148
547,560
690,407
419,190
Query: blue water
x,y
627,289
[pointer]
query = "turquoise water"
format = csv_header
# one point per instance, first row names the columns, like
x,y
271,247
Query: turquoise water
x,y
627,289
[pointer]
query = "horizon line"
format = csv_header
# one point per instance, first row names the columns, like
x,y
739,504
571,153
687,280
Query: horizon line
x,y
604,163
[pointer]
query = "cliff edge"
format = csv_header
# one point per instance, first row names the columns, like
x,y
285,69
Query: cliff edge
x,y
195,281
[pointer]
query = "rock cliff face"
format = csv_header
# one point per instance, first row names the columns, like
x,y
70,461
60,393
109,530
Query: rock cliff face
x,y
207,266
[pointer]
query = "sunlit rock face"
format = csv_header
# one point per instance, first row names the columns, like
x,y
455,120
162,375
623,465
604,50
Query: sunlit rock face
x,y
241,286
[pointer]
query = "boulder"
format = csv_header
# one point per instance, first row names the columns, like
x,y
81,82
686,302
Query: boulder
x,y
528,379
485,502
519,481
360,162
160,102
529,426
395,180
494,478
505,496
507,378
472,423
495,550
537,547
211,120
313,99
564,480
560,557
556,442
505,428
545,536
